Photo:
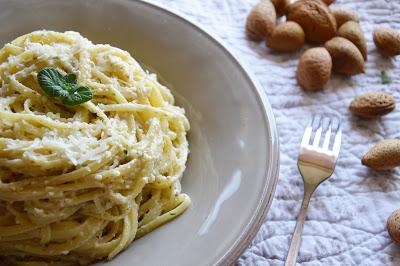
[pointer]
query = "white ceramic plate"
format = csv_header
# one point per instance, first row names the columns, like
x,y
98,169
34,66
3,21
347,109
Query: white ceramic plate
x,y
233,166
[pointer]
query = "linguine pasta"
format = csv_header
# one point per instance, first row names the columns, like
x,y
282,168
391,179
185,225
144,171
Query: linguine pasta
x,y
79,184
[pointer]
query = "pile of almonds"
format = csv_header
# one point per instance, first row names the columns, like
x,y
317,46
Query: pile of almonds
x,y
338,30
340,48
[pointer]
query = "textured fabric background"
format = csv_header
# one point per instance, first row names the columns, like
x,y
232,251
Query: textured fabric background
x,y
346,222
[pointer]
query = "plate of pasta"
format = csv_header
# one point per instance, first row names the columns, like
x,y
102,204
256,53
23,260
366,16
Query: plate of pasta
x,y
127,140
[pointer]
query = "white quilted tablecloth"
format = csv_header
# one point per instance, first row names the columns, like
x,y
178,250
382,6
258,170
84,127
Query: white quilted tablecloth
x,y
346,222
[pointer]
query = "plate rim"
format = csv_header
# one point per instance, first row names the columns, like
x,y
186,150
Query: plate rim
x,y
273,158
272,163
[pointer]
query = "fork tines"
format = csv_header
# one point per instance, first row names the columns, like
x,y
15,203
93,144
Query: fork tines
x,y
326,127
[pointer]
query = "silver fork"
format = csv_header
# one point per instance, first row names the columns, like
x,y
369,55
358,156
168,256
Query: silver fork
x,y
316,163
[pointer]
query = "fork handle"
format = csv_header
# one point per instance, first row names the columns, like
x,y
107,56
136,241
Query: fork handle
x,y
295,244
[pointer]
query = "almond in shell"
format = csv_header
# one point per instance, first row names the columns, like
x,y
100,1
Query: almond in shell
x,y
328,2
373,104
393,226
286,37
384,155
343,15
346,57
316,19
314,69
261,20
281,6
352,31
387,40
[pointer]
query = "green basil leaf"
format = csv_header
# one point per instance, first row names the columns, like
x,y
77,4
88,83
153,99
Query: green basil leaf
x,y
72,88
57,85
70,78
52,82
385,77
80,95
